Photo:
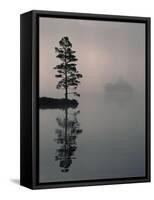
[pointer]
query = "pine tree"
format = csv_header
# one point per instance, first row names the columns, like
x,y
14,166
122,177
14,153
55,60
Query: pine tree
x,y
67,70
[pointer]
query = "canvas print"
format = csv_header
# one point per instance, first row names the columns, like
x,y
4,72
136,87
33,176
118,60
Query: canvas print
x,y
91,99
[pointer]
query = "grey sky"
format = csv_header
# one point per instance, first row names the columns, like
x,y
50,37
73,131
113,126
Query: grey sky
x,y
106,52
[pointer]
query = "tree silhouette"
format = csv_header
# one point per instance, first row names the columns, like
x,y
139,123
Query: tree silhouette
x,y
69,129
67,70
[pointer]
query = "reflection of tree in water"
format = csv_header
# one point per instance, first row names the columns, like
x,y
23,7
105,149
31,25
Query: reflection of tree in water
x,y
69,129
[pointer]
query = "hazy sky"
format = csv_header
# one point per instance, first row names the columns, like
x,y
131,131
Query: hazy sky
x,y
107,52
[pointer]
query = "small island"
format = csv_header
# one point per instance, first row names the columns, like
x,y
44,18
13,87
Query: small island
x,y
69,78
53,103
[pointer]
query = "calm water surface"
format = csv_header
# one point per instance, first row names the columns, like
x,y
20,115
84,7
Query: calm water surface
x,y
101,139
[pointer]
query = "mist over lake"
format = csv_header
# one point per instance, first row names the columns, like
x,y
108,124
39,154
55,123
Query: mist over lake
x,y
105,135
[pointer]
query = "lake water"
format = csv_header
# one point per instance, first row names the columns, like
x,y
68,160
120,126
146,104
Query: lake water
x,y
103,138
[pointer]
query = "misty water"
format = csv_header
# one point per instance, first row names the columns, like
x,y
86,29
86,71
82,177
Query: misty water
x,y
106,135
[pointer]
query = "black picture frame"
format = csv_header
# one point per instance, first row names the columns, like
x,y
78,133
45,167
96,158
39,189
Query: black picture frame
x,y
29,116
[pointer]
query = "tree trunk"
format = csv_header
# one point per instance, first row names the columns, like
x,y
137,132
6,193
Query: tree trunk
x,y
66,93
66,87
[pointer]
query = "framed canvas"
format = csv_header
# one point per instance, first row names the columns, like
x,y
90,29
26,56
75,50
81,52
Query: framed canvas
x,y
85,99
